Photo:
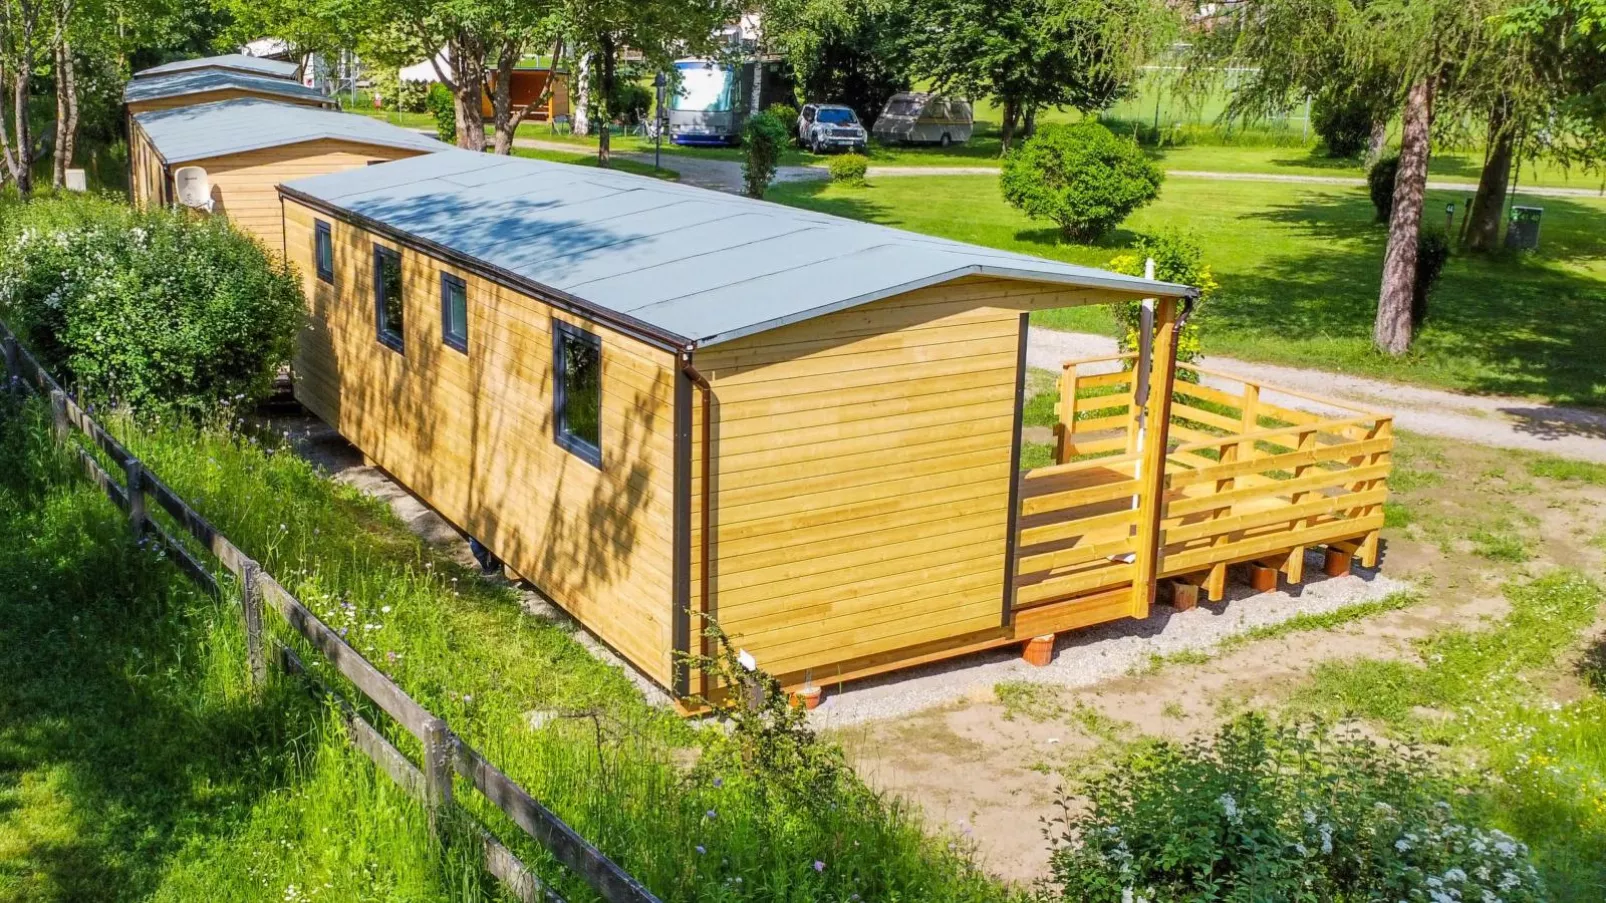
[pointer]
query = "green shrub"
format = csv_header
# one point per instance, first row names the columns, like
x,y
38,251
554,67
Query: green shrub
x,y
849,169
1081,177
411,97
762,139
1380,179
1345,124
785,112
1291,813
1177,258
1432,253
630,102
442,106
155,310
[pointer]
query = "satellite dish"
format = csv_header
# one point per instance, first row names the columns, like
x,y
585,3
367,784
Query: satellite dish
x,y
193,188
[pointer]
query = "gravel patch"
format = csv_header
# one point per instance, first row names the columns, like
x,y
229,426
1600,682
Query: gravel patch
x,y
1096,654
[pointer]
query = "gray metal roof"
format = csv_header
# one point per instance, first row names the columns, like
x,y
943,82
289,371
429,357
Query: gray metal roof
x,y
244,124
700,265
236,61
196,81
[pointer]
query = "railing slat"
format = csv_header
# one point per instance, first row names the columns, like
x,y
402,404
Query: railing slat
x,y
610,881
370,680
227,553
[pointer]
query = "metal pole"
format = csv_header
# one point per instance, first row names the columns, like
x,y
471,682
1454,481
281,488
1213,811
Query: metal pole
x,y
659,117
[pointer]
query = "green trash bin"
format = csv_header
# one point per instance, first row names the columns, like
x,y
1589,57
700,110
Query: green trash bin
x,y
1523,231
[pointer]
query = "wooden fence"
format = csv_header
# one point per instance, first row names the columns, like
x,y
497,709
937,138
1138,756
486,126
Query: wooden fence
x,y
444,752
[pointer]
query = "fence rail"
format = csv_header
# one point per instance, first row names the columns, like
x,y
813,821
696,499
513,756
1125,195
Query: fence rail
x,y
444,752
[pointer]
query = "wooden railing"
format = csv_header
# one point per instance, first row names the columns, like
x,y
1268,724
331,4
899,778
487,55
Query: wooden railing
x,y
1077,525
444,751
1246,479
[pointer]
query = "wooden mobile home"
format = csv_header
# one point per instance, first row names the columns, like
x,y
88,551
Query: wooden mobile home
x,y
189,87
660,404
248,146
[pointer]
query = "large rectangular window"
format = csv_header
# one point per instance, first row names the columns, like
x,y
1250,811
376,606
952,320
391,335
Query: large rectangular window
x,y
388,296
454,312
323,251
577,381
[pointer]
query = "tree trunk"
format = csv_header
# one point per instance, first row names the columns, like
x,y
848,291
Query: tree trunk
x,y
468,91
581,124
1377,142
22,169
1029,125
66,112
14,161
1483,220
1392,331
604,156
1006,128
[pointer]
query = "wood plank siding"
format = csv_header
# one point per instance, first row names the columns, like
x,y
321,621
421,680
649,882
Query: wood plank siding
x,y
472,433
862,473
200,97
245,185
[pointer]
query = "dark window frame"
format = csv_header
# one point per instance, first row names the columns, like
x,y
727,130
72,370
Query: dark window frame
x,y
323,237
575,445
395,341
450,282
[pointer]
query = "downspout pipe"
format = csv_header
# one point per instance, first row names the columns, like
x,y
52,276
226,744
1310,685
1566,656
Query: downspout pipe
x,y
704,507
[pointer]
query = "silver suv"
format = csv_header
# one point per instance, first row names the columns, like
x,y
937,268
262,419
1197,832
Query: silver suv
x,y
824,126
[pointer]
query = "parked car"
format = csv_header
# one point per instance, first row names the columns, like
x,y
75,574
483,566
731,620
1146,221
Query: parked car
x,y
823,126
912,118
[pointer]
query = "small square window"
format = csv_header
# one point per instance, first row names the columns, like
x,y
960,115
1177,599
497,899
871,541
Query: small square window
x,y
454,312
388,296
323,251
577,379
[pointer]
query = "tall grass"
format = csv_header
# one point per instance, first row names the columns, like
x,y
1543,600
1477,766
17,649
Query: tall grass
x,y
569,728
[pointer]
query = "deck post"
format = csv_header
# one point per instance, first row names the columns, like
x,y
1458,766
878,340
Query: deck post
x,y
1064,447
1154,422
438,744
134,476
251,609
1251,419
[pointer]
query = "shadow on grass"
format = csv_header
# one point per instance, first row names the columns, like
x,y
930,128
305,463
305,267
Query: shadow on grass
x,y
119,746
1523,324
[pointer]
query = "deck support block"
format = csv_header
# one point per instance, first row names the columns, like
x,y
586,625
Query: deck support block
x,y
1039,650
1261,578
808,697
1335,562
1184,595
1215,583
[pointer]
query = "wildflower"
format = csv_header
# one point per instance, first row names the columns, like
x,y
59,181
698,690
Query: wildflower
x,y
1229,807
384,609
711,815
718,783
1402,844
701,850
819,866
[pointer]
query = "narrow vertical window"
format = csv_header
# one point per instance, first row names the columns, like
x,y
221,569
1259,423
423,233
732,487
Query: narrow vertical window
x,y
577,381
323,251
388,296
454,312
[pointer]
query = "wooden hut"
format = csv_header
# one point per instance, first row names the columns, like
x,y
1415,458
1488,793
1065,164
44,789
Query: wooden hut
x,y
228,62
247,147
528,84
188,87
658,403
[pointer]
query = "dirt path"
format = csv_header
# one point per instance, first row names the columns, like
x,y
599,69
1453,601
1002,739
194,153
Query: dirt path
x,y
1500,421
989,767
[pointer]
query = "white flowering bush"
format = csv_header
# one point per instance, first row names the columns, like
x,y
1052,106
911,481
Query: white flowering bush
x,y
1295,813
154,310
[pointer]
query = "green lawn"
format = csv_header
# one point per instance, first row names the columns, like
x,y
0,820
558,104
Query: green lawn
x,y
1299,267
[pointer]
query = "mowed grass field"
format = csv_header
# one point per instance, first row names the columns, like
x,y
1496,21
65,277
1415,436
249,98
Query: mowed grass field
x,y
1299,267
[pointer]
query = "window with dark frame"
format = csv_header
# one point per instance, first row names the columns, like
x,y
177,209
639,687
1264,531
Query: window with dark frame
x,y
388,296
323,251
454,312
577,382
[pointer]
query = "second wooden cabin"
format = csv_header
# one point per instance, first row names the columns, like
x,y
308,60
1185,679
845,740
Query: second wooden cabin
x,y
663,405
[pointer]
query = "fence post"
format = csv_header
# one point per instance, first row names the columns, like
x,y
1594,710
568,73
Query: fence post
x,y
8,347
134,473
251,605
58,414
437,769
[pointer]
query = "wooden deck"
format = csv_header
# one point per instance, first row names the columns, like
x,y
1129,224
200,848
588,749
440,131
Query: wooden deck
x,y
1246,480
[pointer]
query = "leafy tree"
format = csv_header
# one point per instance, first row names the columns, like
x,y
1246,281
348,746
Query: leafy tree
x,y
26,39
843,51
763,137
659,30
1428,53
1081,177
1030,54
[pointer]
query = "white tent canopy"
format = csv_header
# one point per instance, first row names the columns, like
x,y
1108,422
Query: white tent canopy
x,y
424,72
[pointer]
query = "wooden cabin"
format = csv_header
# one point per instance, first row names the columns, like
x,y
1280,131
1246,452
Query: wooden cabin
x,y
228,62
528,83
662,405
208,85
248,146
